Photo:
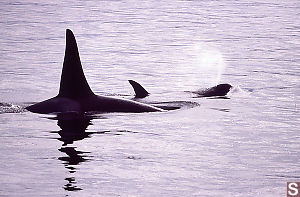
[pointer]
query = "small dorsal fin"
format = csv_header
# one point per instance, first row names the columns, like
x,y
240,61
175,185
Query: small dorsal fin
x,y
73,83
140,92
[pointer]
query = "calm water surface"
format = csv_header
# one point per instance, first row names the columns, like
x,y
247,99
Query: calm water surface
x,y
248,145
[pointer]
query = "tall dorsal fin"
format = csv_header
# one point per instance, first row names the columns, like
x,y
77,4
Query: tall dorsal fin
x,y
73,83
140,92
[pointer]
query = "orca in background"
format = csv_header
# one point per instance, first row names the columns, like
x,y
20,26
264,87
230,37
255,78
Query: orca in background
x,y
75,94
219,90
140,92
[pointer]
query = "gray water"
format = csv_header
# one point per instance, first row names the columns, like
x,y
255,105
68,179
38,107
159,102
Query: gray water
x,y
248,145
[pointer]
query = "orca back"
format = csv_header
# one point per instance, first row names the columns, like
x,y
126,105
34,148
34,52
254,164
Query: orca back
x,y
73,83
219,90
140,92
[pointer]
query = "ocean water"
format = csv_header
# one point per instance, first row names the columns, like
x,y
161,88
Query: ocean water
x,y
247,145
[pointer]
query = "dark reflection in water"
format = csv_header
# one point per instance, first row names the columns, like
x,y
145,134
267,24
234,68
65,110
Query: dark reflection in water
x,y
72,159
69,186
73,128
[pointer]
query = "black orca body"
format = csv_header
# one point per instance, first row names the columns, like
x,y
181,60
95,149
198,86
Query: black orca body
x,y
75,94
219,90
139,90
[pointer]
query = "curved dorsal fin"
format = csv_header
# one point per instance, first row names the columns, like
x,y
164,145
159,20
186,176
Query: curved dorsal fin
x,y
73,83
140,92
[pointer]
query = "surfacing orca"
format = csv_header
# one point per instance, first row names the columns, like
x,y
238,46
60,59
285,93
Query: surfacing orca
x,y
139,90
75,94
219,90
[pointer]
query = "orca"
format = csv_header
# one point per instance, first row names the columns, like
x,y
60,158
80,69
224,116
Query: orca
x,y
75,94
218,90
139,90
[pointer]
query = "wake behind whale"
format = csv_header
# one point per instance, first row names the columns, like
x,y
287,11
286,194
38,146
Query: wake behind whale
x,y
10,108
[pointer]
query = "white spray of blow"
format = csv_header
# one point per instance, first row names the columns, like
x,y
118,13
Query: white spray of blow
x,y
209,63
